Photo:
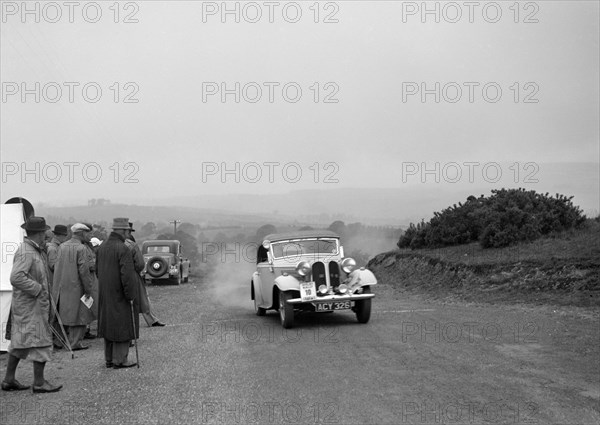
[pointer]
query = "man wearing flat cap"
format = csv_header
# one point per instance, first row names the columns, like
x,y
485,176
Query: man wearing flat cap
x,y
118,291
30,337
72,280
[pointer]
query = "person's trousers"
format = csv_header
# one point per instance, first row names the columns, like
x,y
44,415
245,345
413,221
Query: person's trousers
x,y
75,334
150,318
116,352
145,306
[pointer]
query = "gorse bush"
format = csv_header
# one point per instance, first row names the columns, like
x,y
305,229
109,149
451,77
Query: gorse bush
x,y
506,217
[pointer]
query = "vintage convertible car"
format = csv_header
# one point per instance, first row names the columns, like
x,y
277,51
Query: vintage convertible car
x,y
164,260
302,271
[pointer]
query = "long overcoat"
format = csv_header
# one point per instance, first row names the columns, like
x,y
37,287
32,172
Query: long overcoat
x,y
52,250
117,287
138,265
91,259
72,279
30,297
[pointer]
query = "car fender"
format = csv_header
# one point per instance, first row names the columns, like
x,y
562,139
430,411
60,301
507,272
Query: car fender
x,y
361,277
287,283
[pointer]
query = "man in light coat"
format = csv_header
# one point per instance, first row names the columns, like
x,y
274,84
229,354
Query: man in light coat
x,y
31,336
118,291
72,280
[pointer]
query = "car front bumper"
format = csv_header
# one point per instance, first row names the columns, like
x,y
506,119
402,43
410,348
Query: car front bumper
x,y
330,298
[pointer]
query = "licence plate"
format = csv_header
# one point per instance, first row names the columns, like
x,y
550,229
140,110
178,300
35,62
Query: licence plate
x,y
308,291
335,305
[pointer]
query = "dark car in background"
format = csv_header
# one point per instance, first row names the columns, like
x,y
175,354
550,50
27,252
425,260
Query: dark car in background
x,y
164,260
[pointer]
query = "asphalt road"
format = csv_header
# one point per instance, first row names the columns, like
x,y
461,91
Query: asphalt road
x,y
415,362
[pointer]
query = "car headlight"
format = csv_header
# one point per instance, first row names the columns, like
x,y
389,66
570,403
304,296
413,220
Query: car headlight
x,y
342,288
303,268
348,264
322,289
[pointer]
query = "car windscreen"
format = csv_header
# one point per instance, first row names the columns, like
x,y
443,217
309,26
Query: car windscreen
x,y
158,248
304,247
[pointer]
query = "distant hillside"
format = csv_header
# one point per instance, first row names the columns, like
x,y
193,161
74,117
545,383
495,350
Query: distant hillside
x,y
141,213
563,269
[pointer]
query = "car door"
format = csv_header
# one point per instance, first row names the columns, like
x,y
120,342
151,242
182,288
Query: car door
x,y
264,280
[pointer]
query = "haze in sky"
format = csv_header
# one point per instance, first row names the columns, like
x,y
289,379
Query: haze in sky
x,y
154,100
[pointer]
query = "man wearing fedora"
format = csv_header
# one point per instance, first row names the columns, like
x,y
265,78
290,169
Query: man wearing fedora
x,y
118,291
31,337
72,280
138,265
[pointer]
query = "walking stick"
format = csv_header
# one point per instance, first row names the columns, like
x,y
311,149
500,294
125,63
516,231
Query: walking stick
x,y
137,356
66,341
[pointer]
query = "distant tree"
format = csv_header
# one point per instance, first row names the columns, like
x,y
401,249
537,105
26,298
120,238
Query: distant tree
x,y
338,227
189,245
148,229
188,228
264,231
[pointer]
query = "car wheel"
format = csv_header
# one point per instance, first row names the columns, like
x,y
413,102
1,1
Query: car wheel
x,y
258,310
157,267
177,280
286,311
363,307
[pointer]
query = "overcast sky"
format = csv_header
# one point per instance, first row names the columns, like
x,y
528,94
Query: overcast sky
x,y
366,72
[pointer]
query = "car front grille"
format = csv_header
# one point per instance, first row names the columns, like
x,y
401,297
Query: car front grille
x,y
319,274
334,274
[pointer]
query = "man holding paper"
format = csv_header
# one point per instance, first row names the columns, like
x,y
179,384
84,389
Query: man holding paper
x,y
72,282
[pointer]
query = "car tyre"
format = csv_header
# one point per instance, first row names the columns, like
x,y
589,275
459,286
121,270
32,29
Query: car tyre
x,y
286,311
258,310
178,279
162,269
363,307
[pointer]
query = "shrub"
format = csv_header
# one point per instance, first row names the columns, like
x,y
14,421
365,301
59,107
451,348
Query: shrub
x,y
506,217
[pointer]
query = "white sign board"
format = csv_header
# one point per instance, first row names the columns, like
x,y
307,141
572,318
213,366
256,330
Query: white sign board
x,y
11,236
